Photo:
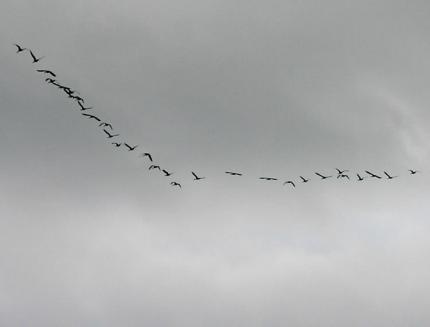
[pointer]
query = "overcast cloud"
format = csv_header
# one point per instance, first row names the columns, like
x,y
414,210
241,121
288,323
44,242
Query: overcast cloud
x,y
90,237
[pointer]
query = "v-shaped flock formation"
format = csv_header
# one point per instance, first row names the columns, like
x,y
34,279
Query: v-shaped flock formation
x,y
108,130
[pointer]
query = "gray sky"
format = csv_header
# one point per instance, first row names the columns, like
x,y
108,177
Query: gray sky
x,y
89,237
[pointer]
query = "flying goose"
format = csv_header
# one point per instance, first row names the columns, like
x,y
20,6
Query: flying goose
x,y
109,135
130,148
340,172
104,124
289,182
372,174
322,176
84,108
233,173
146,154
268,178
45,71
35,60
91,117
19,48
166,173
304,180
175,184
196,178
389,176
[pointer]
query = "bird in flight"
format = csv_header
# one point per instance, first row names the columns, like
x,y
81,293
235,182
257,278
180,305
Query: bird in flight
x,y
50,81
304,180
233,173
322,176
146,154
372,174
84,108
130,148
116,144
389,176
340,172
45,71
196,178
109,135
413,172
269,178
106,125
175,184
76,97
359,178
35,59
289,182
154,167
19,48
342,176
166,173
91,117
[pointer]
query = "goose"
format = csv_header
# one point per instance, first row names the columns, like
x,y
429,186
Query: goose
x,y
91,117
130,148
372,174
389,176
233,173
45,71
322,176
109,135
175,184
289,182
268,178
19,48
304,180
196,178
146,154
35,59
166,173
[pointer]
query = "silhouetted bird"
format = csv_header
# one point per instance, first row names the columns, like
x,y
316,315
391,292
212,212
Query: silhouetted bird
x,y
77,98
322,176
340,172
19,48
84,108
304,180
388,175
196,178
372,174
109,135
50,80
269,178
166,173
35,60
146,154
91,117
154,167
289,182
233,173
116,144
106,125
342,176
47,72
130,148
175,184
359,178
413,172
